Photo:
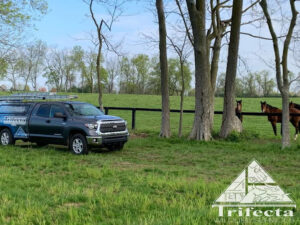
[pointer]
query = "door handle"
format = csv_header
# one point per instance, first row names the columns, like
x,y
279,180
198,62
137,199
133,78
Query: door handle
x,y
48,121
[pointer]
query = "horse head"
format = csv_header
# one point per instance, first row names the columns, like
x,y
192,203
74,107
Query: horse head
x,y
239,105
263,106
292,105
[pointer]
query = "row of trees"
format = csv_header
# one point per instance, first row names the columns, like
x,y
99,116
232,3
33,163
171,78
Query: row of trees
x,y
16,17
75,71
206,24
250,85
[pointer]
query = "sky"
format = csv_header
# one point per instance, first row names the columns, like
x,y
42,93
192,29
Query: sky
x,y
67,24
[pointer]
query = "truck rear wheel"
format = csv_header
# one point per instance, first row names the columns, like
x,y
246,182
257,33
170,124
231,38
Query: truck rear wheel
x,y
78,144
6,137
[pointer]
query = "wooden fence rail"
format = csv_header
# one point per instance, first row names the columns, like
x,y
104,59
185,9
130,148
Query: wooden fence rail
x,y
133,112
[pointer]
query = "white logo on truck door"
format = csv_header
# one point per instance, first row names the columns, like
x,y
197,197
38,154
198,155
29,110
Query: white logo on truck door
x,y
15,120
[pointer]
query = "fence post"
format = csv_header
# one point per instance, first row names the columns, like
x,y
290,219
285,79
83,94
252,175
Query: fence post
x,y
133,119
106,110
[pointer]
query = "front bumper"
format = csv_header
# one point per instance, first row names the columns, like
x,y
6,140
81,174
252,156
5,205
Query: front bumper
x,y
108,138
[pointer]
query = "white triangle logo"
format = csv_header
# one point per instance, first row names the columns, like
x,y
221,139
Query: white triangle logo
x,y
254,186
20,133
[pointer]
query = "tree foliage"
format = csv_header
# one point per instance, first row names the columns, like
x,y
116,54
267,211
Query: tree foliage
x,y
16,16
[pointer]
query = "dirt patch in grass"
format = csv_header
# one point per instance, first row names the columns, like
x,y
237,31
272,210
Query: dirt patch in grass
x,y
263,141
138,135
129,165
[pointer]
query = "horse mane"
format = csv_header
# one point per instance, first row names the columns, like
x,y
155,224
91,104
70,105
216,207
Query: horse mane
x,y
297,106
272,107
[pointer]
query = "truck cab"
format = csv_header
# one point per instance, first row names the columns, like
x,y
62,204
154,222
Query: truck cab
x,y
78,125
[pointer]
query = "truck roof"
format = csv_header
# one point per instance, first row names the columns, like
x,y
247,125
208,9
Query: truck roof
x,y
31,102
32,96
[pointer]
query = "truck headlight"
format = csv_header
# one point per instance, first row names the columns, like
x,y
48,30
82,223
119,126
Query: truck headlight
x,y
91,126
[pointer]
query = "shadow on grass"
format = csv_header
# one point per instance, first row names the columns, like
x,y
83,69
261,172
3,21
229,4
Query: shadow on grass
x,y
61,148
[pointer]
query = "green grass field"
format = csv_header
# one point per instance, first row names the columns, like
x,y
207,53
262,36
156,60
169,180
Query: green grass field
x,y
151,181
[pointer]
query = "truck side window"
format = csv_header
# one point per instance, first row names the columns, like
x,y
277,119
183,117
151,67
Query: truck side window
x,y
11,109
56,109
43,111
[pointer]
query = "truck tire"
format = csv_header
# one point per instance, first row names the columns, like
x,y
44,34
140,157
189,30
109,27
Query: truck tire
x,y
6,137
78,144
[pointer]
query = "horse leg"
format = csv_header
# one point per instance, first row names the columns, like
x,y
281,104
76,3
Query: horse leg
x,y
274,128
297,130
239,116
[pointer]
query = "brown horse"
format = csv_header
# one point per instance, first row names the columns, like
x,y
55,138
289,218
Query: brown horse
x,y
265,108
295,120
238,110
294,105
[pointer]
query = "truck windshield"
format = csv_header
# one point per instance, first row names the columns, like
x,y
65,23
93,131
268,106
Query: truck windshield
x,y
83,109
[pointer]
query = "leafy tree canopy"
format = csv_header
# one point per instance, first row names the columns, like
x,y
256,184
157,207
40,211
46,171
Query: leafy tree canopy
x,y
16,15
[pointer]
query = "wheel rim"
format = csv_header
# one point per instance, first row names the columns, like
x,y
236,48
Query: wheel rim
x,y
77,145
5,138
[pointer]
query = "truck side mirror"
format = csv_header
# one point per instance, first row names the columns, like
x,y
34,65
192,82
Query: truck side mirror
x,y
59,115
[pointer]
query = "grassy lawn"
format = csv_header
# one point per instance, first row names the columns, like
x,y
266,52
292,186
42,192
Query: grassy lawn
x,y
151,181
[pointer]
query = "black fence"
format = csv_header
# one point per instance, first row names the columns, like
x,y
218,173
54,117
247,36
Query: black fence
x,y
134,110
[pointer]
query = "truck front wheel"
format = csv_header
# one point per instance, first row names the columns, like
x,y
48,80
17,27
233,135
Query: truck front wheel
x,y
6,137
78,144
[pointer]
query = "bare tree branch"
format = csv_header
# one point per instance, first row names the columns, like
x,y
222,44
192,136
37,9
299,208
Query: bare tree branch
x,y
185,23
250,6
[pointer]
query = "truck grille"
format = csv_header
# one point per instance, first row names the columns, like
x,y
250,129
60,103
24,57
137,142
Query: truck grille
x,y
107,127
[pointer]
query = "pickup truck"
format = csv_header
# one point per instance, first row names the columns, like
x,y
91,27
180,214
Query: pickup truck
x,y
77,125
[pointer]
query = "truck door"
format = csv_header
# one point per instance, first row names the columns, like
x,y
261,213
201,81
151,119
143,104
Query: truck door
x,y
57,124
39,122
43,126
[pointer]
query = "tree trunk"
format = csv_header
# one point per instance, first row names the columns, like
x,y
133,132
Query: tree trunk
x,y
285,141
214,72
98,68
28,76
67,79
181,98
230,121
202,122
26,82
282,76
202,126
70,83
165,120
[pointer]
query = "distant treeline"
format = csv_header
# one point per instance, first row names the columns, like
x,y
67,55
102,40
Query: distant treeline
x,y
75,71
258,84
